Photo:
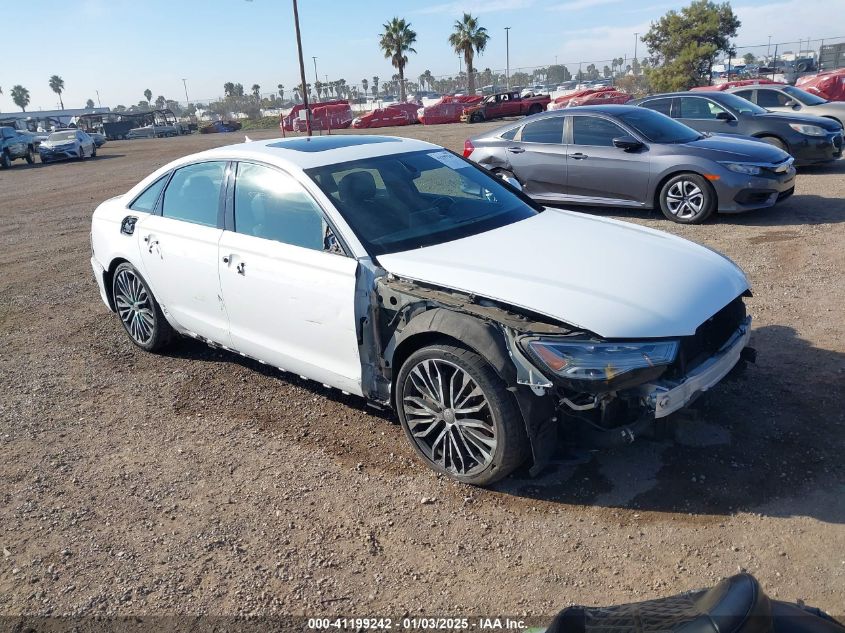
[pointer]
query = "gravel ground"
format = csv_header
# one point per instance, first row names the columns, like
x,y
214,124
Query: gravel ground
x,y
198,482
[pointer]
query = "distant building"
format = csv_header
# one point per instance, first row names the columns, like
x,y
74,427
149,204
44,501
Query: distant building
x,y
45,119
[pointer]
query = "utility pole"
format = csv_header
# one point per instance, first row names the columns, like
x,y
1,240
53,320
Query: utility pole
x,y
185,84
98,99
507,58
769,50
302,69
636,40
316,76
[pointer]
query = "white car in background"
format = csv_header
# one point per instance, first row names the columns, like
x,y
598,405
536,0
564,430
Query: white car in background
x,y
65,145
395,270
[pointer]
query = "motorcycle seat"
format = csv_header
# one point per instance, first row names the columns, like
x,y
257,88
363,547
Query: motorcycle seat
x,y
735,605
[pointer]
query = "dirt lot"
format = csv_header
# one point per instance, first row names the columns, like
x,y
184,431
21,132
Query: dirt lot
x,y
197,482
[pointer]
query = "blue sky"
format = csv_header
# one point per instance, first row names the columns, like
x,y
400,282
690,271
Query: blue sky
x,y
121,47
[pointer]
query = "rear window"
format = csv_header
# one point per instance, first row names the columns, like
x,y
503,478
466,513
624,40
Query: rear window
x,y
146,201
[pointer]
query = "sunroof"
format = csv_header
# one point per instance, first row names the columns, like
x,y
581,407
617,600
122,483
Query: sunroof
x,y
323,143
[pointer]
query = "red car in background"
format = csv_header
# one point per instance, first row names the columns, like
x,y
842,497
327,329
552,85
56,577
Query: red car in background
x,y
325,115
504,104
590,96
394,114
447,110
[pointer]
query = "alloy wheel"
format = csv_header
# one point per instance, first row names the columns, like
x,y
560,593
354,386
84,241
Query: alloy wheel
x,y
449,417
685,199
134,307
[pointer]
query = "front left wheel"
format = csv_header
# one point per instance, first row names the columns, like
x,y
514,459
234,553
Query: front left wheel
x,y
459,416
687,199
138,310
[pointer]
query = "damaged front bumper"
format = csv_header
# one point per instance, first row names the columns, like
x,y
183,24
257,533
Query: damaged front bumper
x,y
664,397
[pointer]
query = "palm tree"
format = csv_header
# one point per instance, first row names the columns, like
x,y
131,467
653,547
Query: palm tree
x,y
395,42
364,84
375,86
281,91
20,96
467,40
57,85
256,91
148,95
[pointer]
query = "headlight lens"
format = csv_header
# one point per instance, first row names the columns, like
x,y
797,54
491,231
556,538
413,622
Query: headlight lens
x,y
809,130
744,168
586,360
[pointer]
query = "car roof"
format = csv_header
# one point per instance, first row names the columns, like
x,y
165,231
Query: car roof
x,y
305,152
612,109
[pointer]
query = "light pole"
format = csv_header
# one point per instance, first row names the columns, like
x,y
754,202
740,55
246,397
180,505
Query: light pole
x,y
636,40
769,49
185,84
316,76
507,58
302,69
98,99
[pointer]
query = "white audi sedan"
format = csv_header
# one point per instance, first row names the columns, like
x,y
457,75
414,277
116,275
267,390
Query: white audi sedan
x,y
398,271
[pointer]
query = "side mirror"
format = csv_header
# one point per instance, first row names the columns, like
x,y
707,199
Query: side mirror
x,y
628,143
794,105
725,116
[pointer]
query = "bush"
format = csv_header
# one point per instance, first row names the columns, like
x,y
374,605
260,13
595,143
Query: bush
x,y
263,123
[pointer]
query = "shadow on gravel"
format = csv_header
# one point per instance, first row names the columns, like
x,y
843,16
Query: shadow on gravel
x,y
70,161
759,442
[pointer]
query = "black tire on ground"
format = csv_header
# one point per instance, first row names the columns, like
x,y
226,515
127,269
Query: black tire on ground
x,y
30,155
534,109
5,160
772,140
81,153
687,199
476,117
128,284
497,427
94,151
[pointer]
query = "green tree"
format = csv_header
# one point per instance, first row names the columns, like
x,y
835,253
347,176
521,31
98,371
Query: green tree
x,y
395,42
89,104
684,44
468,39
148,95
57,85
161,102
375,86
228,89
749,58
20,96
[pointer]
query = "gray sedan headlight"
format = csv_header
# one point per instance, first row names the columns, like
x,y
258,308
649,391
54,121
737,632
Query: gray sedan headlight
x,y
744,168
601,362
809,130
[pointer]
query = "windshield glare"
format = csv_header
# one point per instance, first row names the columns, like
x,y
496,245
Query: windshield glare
x,y
743,106
62,136
405,201
807,98
658,128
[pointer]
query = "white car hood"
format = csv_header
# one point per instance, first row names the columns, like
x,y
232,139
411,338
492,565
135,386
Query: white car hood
x,y
615,279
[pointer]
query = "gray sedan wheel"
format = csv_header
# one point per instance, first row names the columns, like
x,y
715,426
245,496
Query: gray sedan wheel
x,y
138,310
687,199
459,416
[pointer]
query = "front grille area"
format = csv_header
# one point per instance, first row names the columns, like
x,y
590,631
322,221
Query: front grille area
x,y
710,336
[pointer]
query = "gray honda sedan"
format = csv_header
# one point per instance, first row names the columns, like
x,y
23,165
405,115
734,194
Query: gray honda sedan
x,y
625,156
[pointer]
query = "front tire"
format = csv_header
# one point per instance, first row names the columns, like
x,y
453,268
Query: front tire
x,y
30,156
771,140
687,199
93,151
459,416
476,117
138,310
81,153
5,160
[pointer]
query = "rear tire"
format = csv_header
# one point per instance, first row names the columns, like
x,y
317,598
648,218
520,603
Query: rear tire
x,y
687,199
466,422
30,156
138,310
81,153
534,109
5,161
476,117
94,152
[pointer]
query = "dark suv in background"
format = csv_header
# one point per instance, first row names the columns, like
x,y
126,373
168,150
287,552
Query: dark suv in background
x,y
13,146
809,139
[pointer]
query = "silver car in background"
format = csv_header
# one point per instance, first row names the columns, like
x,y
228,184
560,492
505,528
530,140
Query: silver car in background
x,y
624,156
784,98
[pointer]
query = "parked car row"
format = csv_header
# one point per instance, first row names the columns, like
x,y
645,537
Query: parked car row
x,y
689,154
58,145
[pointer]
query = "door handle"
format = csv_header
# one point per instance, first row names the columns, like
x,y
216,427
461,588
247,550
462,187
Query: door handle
x,y
578,156
516,150
241,268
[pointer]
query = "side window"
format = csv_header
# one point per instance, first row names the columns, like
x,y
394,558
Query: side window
x,y
510,134
147,200
548,130
771,98
588,130
193,194
696,108
271,205
745,94
664,106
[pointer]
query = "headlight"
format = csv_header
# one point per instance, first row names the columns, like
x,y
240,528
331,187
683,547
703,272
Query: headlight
x,y
589,361
809,130
744,168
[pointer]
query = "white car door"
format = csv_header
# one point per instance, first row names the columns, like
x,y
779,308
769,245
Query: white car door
x,y
179,250
290,301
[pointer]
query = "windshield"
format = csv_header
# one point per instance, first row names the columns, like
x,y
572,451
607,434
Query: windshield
x,y
743,106
657,127
62,136
803,96
404,201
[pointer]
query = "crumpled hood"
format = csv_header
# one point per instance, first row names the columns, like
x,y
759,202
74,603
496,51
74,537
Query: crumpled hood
x,y
615,279
733,147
